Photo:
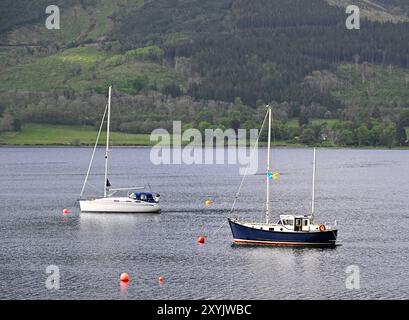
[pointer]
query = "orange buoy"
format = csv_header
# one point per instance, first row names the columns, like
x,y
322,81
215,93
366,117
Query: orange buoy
x,y
322,227
208,202
66,211
124,277
201,240
161,280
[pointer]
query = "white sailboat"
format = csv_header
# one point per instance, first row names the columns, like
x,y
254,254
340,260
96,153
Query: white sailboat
x,y
134,202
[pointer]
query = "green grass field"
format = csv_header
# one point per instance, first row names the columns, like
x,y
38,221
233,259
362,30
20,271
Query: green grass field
x,y
62,135
36,134
83,69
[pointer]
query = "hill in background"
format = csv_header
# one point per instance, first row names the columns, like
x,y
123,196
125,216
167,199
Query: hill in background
x,y
210,64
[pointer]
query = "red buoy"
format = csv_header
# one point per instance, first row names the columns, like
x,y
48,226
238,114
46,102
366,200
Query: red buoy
x,y
161,280
124,277
66,211
201,240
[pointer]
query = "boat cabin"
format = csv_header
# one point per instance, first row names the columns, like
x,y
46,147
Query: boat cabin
x,y
296,223
144,196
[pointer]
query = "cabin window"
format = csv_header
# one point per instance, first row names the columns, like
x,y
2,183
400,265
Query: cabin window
x,y
305,222
288,222
271,229
298,222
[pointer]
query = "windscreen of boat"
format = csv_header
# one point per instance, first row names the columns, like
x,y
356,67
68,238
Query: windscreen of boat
x,y
288,222
142,196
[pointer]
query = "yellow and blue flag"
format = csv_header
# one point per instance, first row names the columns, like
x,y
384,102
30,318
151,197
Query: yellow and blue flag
x,y
273,175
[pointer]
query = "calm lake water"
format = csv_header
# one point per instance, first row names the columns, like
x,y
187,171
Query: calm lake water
x,y
366,191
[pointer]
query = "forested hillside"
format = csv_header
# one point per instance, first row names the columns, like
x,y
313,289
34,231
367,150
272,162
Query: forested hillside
x,y
212,63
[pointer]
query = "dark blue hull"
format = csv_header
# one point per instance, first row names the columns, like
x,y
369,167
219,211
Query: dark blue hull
x,y
247,235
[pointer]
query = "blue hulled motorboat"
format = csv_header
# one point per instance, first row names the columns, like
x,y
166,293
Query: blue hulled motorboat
x,y
300,230
290,230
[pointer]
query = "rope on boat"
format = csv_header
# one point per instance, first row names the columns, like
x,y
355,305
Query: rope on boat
x,y
93,153
245,174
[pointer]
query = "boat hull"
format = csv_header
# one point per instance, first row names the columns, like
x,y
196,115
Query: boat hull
x,y
252,236
108,205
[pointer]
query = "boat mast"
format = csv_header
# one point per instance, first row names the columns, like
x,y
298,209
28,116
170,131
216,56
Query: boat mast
x,y
268,165
107,144
313,187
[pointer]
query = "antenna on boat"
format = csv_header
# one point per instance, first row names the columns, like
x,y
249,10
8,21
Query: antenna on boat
x,y
313,186
107,144
268,164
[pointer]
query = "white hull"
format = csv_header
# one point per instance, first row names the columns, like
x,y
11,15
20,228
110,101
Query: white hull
x,y
118,205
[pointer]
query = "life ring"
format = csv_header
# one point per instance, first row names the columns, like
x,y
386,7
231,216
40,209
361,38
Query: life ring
x,y
322,227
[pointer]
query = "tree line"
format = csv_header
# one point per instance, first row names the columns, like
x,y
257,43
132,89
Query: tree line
x,y
150,110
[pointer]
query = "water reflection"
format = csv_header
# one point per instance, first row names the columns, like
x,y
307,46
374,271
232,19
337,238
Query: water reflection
x,y
110,223
123,289
116,232
283,272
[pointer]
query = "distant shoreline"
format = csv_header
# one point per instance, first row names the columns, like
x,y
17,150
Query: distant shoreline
x,y
63,136
263,146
